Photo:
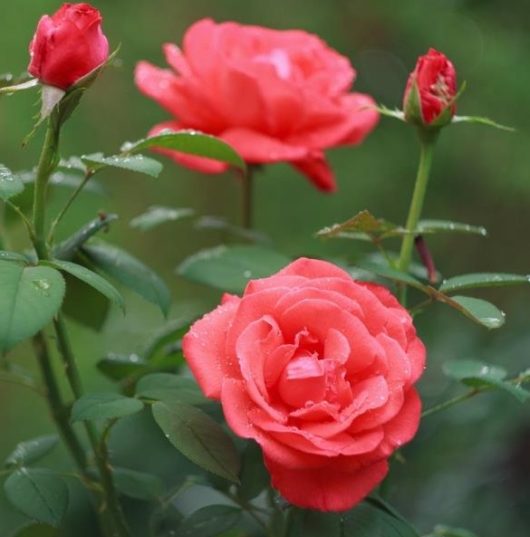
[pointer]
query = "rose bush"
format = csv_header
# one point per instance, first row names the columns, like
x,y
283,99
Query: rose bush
x,y
319,370
273,95
434,81
68,45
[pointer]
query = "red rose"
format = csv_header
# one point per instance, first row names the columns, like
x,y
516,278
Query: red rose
x,y
435,81
68,45
275,96
319,370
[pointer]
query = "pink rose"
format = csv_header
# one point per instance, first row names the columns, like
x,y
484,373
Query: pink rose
x,y
319,370
275,96
68,45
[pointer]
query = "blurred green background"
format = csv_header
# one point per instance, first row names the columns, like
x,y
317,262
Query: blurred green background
x,y
469,467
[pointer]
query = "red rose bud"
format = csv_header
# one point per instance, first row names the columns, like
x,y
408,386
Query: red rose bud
x,y
68,45
431,91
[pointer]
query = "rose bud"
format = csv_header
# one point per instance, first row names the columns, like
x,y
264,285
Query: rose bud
x,y
319,370
430,94
68,45
275,96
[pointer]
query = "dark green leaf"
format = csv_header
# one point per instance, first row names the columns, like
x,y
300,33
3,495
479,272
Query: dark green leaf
x,y
39,494
254,476
157,215
446,226
444,531
172,332
30,297
139,485
134,163
209,521
37,530
191,143
480,311
483,279
364,223
104,406
10,184
230,267
198,437
130,272
366,520
167,387
91,278
479,375
314,524
120,366
32,450
69,248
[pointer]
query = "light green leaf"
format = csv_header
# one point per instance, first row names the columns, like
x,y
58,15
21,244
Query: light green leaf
x,y
231,267
480,311
482,121
30,297
134,163
198,437
192,143
482,279
27,84
209,521
91,278
157,215
479,375
10,184
167,387
139,485
32,450
104,406
130,272
447,226
39,494
12,256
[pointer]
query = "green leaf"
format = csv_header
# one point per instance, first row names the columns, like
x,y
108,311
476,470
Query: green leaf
x,y
365,520
158,215
120,366
130,272
192,143
482,121
169,334
70,247
104,406
32,450
30,298
139,485
209,521
12,256
363,222
314,524
37,530
390,273
134,163
230,267
446,226
445,531
39,494
254,476
198,437
479,375
166,387
482,279
91,278
10,184
480,311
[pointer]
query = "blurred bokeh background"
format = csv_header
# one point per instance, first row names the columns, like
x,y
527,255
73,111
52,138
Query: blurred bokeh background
x,y
468,467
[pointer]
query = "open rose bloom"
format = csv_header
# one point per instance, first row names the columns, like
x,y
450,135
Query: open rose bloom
x,y
68,45
319,370
275,96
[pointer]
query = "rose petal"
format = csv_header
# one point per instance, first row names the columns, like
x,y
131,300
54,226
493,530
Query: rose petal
x,y
316,168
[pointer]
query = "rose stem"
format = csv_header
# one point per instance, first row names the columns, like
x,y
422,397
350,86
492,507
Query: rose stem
x,y
247,186
427,141
111,508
